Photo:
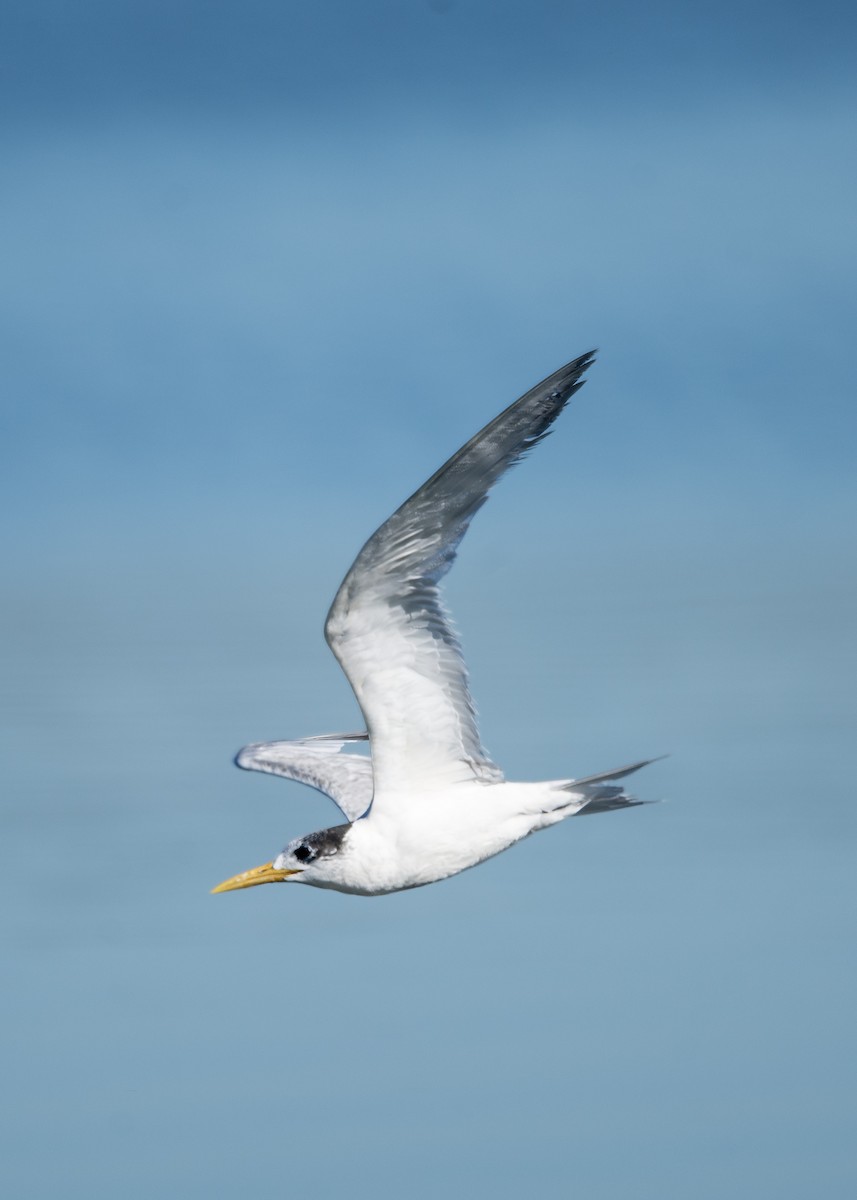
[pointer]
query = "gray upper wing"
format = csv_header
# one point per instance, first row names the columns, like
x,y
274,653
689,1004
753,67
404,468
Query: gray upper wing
x,y
388,627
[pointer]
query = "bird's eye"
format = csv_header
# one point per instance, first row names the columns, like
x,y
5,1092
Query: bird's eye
x,y
303,853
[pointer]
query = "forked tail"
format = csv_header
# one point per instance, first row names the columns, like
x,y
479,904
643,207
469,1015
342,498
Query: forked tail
x,y
596,793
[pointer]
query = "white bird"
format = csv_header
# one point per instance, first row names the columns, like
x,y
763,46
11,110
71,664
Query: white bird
x,y
429,802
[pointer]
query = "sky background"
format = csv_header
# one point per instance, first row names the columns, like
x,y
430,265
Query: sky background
x,y
264,267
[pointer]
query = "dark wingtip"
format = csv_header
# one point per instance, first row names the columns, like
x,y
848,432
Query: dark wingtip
x,y
584,361
236,758
575,369
563,383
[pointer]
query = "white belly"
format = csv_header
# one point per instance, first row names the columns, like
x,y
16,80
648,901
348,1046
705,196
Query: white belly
x,y
415,840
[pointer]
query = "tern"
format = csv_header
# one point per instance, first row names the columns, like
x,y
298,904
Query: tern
x,y
428,801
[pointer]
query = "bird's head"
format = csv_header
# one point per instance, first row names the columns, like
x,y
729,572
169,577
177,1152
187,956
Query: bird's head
x,y
304,860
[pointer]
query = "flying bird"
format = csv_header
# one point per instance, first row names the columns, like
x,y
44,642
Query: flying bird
x,y
428,801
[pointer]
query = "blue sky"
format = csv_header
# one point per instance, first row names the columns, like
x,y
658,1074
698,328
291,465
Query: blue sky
x,y
265,267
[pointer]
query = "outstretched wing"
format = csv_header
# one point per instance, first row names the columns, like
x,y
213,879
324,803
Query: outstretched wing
x,y
317,761
388,627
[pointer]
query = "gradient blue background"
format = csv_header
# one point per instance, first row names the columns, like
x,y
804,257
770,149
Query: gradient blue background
x,y
264,267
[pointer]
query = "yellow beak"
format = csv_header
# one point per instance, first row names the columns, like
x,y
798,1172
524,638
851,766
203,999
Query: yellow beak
x,y
256,875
